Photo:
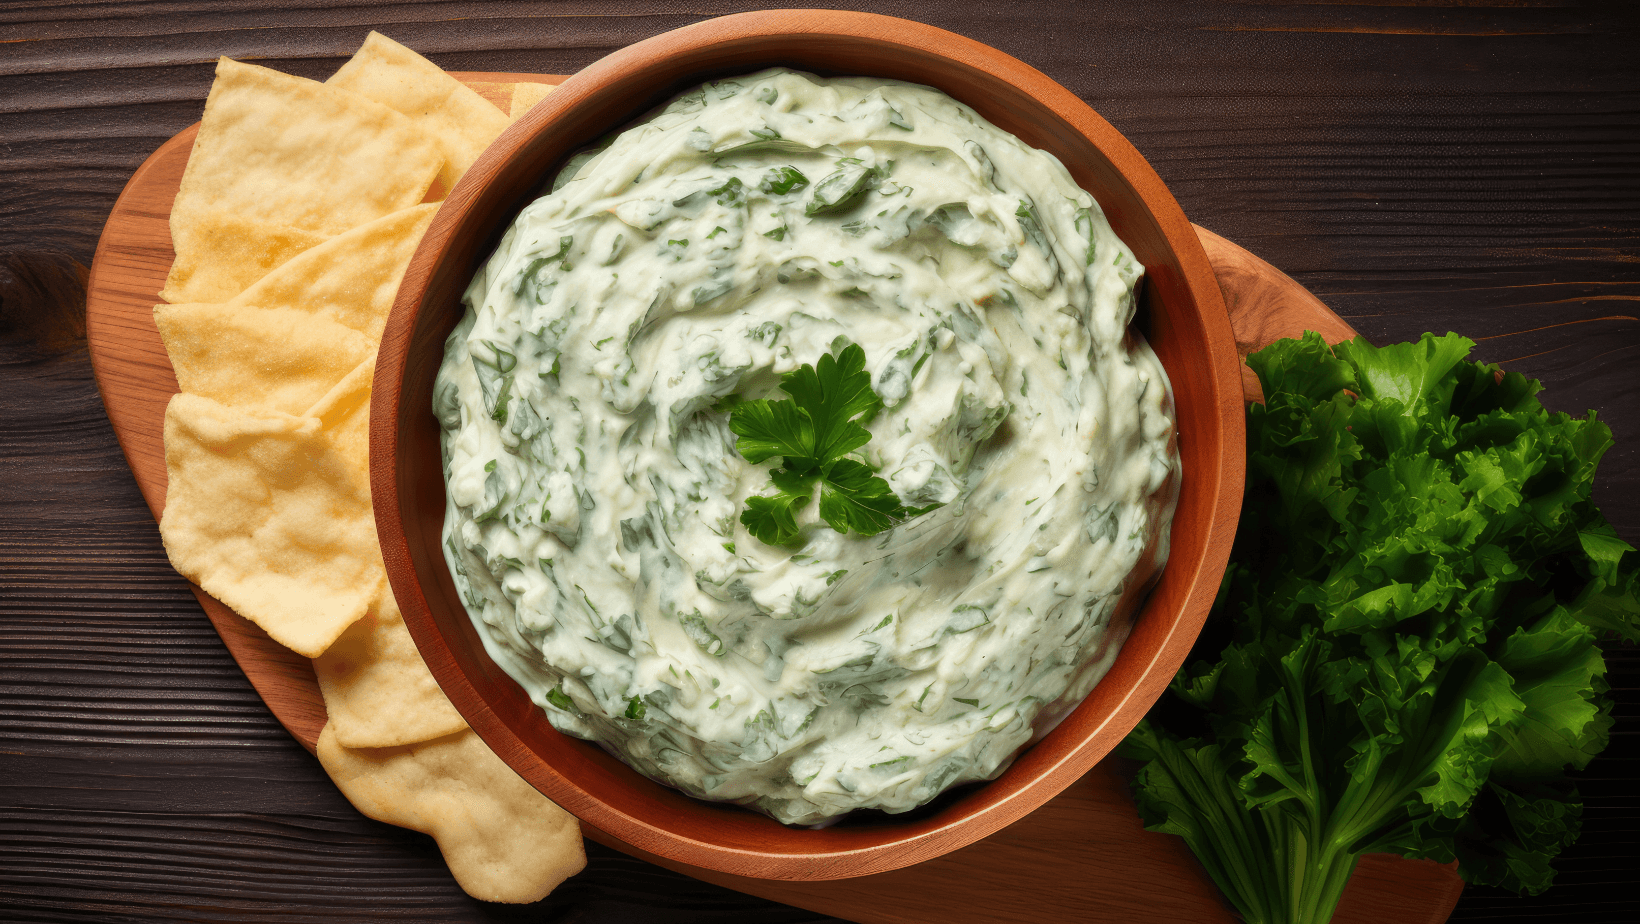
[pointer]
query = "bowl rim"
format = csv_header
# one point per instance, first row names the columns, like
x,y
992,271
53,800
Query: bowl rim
x,y
834,857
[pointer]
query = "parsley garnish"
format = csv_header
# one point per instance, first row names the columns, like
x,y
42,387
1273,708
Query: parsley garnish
x,y
813,432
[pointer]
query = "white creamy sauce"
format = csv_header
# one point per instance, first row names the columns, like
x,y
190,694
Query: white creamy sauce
x,y
595,489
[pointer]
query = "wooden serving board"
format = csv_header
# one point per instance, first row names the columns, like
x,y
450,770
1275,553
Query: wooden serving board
x,y
1084,856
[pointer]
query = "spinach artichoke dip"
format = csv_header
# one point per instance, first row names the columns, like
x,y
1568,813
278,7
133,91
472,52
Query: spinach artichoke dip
x,y
965,462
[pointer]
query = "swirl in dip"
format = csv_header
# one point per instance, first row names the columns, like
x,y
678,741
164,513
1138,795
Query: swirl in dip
x,y
595,490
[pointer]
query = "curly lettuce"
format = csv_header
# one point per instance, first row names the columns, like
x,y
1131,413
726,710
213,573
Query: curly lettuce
x,y
1404,654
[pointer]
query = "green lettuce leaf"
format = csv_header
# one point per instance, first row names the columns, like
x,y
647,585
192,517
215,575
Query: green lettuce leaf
x,y
1404,654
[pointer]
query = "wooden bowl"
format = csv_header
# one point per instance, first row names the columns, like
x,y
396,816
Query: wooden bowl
x,y
1187,326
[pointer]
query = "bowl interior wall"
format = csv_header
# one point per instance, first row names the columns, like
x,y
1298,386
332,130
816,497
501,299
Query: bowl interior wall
x,y
581,776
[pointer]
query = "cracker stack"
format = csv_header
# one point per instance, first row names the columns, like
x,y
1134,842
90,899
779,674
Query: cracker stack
x,y
299,211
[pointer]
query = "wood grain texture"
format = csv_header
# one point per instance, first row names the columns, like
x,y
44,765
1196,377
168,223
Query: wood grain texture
x,y
1418,166
1090,833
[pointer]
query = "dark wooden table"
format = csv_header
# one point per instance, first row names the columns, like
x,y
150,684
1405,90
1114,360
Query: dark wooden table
x,y
1465,166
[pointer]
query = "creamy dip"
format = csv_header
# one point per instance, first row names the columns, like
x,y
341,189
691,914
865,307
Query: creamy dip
x,y
595,490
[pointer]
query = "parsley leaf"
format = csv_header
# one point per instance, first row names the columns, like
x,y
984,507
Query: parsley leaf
x,y
773,519
774,428
813,432
836,393
853,497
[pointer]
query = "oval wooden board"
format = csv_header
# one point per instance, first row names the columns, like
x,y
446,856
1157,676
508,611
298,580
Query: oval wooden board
x,y
1083,857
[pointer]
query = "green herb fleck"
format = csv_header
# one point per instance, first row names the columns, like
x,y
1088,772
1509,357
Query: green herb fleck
x,y
890,763
780,181
731,194
559,698
918,704
841,189
531,277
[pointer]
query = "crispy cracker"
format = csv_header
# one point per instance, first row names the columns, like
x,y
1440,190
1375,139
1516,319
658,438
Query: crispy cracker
x,y
266,516
461,122
377,688
503,840
221,254
351,278
497,93
344,416
300,154
277,359
526,95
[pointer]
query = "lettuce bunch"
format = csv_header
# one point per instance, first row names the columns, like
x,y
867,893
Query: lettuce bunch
x,y
1403,657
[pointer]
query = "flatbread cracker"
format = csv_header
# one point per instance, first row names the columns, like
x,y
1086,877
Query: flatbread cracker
x,y
275,359
461,122
526,95
498,93
351,278
298,153
221,254
265,515
295,224
377,688
344,416
503,840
